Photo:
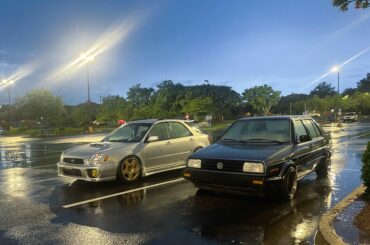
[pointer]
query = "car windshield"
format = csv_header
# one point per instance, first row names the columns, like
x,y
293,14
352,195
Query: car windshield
x,y
132,132
350,113
259,130
195,126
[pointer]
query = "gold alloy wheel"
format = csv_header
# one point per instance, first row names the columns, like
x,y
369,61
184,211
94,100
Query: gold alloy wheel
x,y
130,169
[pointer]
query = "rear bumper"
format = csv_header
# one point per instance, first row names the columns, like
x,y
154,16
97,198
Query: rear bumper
x,y
238,183
104,172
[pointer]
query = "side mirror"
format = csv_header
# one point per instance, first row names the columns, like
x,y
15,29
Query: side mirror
x,y
304,138
153,138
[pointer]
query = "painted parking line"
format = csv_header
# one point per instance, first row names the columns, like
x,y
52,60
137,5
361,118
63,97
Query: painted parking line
x,y
122,193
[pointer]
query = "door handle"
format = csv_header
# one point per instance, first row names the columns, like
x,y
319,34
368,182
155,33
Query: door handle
x,y
311,145
191,139
169,143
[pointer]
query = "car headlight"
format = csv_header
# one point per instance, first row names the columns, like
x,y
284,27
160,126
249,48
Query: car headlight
x,y
98,158
61,157
253,167
194,163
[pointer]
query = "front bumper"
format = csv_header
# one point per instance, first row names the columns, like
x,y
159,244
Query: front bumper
x,y
238,183
93,173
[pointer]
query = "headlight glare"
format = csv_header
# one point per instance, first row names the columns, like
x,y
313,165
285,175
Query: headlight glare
x,y
253,167
194,163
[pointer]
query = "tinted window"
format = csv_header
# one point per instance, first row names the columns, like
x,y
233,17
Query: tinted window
x,y
268,129
316,127
311,130
179,130
162,130
299,128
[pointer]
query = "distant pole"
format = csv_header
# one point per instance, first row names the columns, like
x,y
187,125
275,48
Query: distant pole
x,y
9,110
290,108
338,81
88,83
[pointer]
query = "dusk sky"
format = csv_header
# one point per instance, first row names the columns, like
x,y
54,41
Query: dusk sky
x,y
285,44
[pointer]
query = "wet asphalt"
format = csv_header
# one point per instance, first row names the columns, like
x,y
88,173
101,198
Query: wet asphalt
x,y
34,201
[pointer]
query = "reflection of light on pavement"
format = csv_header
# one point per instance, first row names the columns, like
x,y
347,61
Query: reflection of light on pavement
x,y
305,230
15,183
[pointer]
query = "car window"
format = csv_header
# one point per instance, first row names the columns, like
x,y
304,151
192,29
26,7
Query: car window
x,y
310,128
179,130
299,128
162,130
194,126
132,132
267,129
316,127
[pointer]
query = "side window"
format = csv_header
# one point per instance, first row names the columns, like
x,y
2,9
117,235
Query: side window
x,y
179,130
299,128
318,129
311,129
162,130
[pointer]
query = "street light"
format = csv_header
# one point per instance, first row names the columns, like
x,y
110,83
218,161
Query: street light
x,y
334,70
87,59
9,83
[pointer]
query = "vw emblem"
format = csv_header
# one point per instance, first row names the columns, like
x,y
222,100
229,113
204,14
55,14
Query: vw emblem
x,y
72,160
220,165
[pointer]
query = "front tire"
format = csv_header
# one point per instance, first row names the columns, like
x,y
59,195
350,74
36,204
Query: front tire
x,y
322,169
129,170
289,186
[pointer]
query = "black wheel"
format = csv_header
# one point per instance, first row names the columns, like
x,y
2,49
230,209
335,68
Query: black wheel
x,y
322,169
289,185
129,170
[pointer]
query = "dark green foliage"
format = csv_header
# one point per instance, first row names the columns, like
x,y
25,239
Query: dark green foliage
x,y
366,167
343,4
323,89
363,85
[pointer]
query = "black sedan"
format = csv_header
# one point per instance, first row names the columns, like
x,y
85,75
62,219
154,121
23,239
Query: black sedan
x,y
262,155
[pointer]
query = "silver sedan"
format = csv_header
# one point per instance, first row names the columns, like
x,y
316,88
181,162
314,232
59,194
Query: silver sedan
x,y
138,148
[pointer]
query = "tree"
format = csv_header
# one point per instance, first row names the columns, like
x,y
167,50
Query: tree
x,y
114,108
363,85
199,106
323,89
40,104
349,91
262,98
84,114
343,4
139,96
290,104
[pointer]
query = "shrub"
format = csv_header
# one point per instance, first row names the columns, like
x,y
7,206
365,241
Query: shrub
x,y
366,167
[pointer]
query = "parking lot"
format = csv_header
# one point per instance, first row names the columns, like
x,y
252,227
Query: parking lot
x,y
37,206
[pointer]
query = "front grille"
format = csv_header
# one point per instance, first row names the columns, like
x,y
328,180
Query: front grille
x,y
73,160
227,165
72,172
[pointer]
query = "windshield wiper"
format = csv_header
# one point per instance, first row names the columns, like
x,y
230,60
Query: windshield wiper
x,y
233,140
261,139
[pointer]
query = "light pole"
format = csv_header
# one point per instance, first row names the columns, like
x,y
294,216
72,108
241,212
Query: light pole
x,y
336,69
88,58
9,83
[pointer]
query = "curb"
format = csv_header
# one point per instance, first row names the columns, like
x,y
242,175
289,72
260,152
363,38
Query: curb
x,y
326,228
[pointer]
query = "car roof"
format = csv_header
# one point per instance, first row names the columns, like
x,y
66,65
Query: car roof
x,y
278,117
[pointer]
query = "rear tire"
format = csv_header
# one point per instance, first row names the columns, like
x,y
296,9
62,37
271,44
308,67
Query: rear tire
x,y
322,169
289,186
129,170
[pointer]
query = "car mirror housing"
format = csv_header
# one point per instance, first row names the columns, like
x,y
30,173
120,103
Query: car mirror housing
x,y
153,138
304,138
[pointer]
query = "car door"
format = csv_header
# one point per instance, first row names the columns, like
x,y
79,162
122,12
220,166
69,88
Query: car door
x,y
317,143
157,154
302,155
183,143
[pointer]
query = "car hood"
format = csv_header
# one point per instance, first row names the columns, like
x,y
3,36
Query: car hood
x,y
87,150
268,153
